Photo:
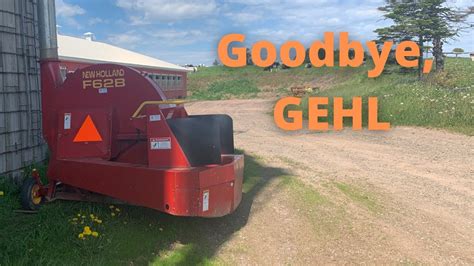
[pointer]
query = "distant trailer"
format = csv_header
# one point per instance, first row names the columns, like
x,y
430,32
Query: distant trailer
x,y
75,53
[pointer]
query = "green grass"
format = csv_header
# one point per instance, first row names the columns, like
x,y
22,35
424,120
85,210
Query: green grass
x,y
226,89
443,100
327,217
304,194
135,235
359,196
246,82
253,175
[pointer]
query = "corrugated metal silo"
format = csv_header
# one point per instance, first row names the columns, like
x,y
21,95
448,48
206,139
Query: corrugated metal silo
x,y
21,142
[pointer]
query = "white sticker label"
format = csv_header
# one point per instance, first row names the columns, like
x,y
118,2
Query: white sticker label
x,y
67,121
160,143
154,118
205,201
103,90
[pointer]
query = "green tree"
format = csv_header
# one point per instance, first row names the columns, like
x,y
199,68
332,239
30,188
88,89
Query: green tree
x,y
458,51
448,23
215,63
423,21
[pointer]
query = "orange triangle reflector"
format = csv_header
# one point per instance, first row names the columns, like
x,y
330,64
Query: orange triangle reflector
x,y
88,132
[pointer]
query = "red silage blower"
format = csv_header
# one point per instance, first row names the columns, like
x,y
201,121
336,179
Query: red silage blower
x,y
112,133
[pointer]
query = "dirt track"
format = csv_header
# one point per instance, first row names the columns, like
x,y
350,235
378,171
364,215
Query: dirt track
x,y
420,182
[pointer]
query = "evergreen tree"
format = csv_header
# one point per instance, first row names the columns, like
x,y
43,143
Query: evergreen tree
x,y
423,21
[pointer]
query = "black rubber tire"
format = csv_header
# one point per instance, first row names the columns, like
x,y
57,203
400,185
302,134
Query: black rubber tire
x,y
26,197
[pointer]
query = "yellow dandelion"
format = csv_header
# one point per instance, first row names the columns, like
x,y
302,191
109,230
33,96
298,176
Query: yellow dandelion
x,y
2,193
117,209
78,215
87,230
92,216
81,235
113,214
95,234
83,217
98,221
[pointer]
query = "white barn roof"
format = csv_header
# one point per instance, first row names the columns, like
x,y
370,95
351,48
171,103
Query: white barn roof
x,y
86,51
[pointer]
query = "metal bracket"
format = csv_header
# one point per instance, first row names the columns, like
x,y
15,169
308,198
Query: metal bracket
x,y
145,103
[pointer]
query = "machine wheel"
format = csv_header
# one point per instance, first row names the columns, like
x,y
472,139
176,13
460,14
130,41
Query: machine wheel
x,y
30,199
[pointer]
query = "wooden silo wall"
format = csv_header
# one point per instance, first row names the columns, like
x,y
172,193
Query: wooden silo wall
x,y
21,142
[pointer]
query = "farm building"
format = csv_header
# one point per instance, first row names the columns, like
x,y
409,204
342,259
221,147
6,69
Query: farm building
x,y
76,53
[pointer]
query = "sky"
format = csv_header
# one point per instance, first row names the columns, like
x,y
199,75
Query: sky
x,y
187,32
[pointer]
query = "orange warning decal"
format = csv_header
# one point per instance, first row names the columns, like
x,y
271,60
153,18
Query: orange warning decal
x,y
88,132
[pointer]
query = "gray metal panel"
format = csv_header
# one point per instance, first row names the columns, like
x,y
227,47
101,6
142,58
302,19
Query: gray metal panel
x,y
21,142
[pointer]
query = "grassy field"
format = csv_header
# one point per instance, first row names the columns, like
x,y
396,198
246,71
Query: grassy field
x,y
125,235
443,100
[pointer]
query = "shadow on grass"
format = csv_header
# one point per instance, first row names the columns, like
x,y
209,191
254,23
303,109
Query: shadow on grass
x,y
137,236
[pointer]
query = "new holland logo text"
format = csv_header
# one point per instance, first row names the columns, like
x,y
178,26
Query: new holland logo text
x,y
97,79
